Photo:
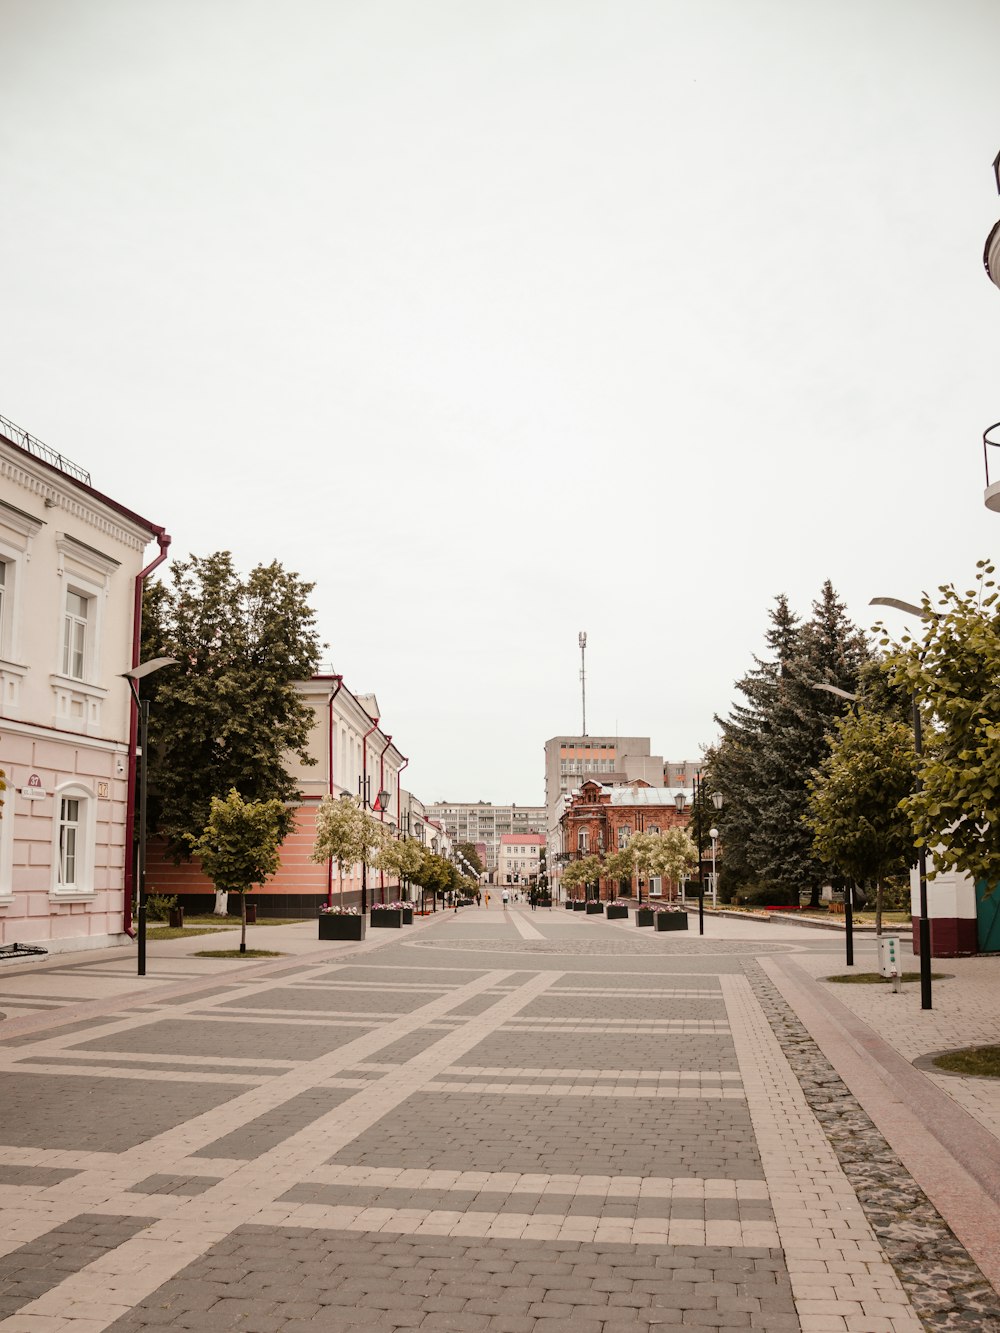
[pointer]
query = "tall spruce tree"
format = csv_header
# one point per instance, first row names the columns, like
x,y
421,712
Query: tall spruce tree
x,y
228,715
772,744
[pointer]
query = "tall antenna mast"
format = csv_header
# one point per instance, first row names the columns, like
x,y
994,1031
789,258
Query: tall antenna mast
x,y
583,678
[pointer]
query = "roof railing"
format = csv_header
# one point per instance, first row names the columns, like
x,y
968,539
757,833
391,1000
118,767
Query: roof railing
x,y
38,449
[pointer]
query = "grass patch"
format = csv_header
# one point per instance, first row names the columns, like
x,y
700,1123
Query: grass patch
x,y
876,978
235,953
232,922
979,1061
177,932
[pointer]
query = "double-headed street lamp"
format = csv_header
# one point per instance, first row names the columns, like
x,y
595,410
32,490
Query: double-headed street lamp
x,y
133,677
698,806
827,688
923,921
364,796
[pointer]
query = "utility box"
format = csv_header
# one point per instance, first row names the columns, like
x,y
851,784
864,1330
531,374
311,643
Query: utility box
x,y
888,956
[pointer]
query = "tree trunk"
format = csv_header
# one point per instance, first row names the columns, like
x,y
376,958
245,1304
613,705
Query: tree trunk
x,y
813,897
221,907
243,923
340,884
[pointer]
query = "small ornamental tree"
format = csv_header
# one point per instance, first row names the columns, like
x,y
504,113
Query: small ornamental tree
x,y
673,854
857,798
642,846
573,876
338,835
239,847
953,670
619,866
398,857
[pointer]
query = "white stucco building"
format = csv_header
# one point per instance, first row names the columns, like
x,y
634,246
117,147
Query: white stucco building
x,y
71,572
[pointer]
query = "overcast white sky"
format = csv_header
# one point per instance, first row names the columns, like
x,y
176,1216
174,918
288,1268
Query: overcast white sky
x,y
503,321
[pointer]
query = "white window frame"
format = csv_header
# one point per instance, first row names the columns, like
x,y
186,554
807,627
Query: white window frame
x,y
655,887
83,885
7,846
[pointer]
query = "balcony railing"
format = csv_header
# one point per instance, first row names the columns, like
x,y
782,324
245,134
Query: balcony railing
x,y
40,450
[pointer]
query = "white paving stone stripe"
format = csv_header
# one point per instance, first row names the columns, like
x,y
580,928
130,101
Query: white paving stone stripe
x,y
104,1290
493,1089
592,1075
821,1224
512,1182
523,926
519,1226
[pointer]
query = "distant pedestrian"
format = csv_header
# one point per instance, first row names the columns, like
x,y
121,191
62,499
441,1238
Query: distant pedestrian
x,y
487,900
479,899
506,898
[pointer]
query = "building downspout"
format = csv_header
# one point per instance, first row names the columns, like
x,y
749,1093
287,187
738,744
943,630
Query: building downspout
x,y
163,541
329,746
381,807
364,806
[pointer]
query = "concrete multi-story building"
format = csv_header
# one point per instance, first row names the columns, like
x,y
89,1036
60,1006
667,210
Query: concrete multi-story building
x,y
483,822
70,600
681,772
519,858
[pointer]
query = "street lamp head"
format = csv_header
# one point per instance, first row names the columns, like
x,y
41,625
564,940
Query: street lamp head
x,y
713,833
835,689
996,171
680,800
895,602
147,668
717,799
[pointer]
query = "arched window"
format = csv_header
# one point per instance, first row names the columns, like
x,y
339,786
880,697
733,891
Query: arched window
x,y
73,837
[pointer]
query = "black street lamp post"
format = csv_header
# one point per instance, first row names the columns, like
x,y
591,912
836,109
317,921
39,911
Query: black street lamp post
x,y
133,677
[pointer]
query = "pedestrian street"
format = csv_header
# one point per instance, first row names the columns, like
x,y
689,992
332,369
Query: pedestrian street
x,y
496,1119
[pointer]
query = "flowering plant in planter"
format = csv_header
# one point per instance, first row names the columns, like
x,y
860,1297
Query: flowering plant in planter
x,y
622,902
335,909
392,907
665,907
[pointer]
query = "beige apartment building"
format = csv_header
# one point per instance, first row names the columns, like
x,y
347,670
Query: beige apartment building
x,y
483,822
71,573
519,859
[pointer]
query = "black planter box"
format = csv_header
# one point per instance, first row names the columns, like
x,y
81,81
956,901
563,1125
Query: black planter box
x,y
643,916
671,920
407,916
569,904
595,909
341,926
616,913
175,918
579,906
386,918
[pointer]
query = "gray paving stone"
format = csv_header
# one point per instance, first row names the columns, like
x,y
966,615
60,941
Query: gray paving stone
x,y
596,1050
241,1040
272,1128
323,999
83,1113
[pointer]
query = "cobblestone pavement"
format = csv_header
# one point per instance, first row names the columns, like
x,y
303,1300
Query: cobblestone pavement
x,y
509,1122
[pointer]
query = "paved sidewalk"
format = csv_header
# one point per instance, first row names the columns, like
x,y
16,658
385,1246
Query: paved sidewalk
x,y
510,1121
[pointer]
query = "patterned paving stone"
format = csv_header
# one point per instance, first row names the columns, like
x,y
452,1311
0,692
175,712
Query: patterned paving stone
x,y
605,1051
264,1279
167,1184
42,1110
641,1137
315,998
33,1269
234,1038
11,1174
264,1132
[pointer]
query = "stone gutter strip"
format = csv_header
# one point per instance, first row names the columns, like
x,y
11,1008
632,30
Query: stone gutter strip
x,y
945,1285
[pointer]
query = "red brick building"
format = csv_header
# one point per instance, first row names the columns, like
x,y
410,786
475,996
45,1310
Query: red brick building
x,y
601,819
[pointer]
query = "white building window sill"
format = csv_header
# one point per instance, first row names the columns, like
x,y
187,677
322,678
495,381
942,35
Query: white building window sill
x,y
72,896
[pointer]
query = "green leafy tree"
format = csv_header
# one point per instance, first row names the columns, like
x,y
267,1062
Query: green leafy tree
x,y
239,847
953,670
574,876
856,804
619,866
434,874
468,850
399,857
228,715
672,855
340,835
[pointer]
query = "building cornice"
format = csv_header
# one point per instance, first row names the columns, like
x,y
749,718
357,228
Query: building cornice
x,y
59,492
